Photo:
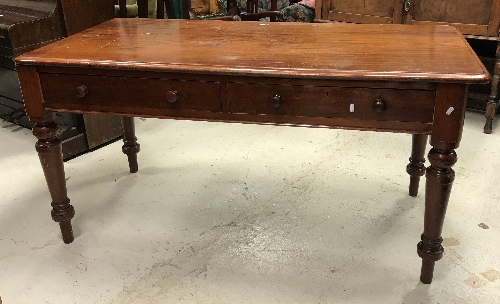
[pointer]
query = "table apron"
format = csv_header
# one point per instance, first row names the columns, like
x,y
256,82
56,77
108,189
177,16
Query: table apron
x,y
270,102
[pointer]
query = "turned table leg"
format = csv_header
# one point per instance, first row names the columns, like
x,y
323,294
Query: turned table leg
x,y
49,150
491,106
440,178
130,146
416,167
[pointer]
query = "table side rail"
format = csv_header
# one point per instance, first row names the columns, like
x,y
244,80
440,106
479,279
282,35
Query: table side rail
x,y
342,104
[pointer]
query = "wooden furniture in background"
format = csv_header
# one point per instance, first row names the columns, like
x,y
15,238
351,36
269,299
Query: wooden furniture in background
x,y
26,25
476,19
357,78
233,13
360,11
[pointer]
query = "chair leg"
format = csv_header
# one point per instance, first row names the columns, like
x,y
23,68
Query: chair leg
x,y
160,9
274,7
142,8
123,8
416,167
130,146
186,10
491,106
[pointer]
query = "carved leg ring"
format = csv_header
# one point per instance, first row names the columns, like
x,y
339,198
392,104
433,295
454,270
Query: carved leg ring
x,y
440,178
416,167
130,146
50,154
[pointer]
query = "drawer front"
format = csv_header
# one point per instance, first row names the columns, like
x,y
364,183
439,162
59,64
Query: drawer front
x,y
117,94
332,102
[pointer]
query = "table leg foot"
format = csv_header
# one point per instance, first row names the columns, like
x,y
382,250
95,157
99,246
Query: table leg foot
x,y
488,126
67,231
439,180
130,146
416,167
132,163
430,250
427,271
49,151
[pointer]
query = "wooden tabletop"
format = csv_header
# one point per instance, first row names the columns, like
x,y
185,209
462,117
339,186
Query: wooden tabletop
x,y
324,50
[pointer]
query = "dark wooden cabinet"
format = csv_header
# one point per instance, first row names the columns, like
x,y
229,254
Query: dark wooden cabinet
x,y
476,19
26,25
472,17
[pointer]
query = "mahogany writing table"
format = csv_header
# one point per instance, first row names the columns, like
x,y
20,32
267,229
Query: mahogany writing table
x,y
396,78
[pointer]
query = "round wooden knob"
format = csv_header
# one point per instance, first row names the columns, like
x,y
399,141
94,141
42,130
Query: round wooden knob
x,y
275,101
172,96
81,91
379,105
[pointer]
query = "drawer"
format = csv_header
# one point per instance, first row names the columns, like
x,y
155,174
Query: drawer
x,y
120,94
332,102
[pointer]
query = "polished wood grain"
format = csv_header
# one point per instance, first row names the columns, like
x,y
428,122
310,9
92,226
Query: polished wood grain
x,y
347,51
396,78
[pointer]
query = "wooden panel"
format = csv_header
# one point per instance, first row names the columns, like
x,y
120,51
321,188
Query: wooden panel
x,y
101,128
453,11
80,15
398,12
302,121
364,7
449,115
32,29
355,103
74,145
334,50
60,92
319,9
357,18
494,24
466,29
30,87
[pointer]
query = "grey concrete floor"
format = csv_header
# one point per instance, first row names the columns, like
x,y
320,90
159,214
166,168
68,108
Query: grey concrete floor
x,y
232,213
